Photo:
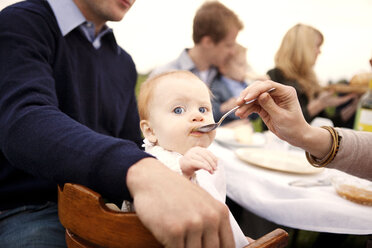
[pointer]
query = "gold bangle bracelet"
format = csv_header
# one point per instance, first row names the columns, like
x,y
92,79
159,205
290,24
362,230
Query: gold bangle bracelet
x,y
332,154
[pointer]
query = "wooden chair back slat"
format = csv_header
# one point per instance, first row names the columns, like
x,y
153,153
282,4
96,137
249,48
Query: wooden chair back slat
x,y
83,213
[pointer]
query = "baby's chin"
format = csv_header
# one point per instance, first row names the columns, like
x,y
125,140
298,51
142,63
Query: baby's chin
x,y
184,147
188,148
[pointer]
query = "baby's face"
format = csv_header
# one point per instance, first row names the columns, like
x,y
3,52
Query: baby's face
x,y
177,107
237,68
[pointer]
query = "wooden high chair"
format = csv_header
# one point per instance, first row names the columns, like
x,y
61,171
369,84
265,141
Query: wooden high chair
x,y
90,223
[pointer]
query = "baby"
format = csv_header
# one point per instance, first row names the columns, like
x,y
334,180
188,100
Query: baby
x,y
227,88
171,106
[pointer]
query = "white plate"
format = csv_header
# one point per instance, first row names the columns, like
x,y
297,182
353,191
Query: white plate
x,y
294,162
225,137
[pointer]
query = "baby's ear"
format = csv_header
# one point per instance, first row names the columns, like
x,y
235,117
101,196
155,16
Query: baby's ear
x,y
147,131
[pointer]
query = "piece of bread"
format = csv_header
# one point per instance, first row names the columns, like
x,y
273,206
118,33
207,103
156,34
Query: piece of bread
x,y
361,79
355,194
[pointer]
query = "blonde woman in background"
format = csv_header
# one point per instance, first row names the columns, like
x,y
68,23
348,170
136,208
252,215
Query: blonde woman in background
x,y
294,62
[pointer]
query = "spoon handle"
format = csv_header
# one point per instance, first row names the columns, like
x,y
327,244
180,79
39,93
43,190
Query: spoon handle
x,y
225,115
236,107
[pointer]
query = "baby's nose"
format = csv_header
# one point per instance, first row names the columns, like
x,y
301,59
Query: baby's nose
x,y
198,117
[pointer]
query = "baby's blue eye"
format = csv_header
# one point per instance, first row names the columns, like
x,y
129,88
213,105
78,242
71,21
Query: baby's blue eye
x,y
179,110
203,109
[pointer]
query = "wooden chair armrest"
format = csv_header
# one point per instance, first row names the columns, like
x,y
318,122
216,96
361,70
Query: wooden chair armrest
x,y
274,239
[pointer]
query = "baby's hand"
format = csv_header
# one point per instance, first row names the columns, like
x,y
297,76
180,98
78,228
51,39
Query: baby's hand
x,y
198,158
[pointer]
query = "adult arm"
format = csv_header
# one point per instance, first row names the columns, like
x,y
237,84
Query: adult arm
x,y
354,155
178,212
282,114
327,99
35,135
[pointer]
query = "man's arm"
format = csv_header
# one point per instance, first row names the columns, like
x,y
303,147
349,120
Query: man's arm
x,y
178,212
35,135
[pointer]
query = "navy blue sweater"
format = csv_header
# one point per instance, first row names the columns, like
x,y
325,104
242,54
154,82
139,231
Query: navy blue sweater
x,y
67,111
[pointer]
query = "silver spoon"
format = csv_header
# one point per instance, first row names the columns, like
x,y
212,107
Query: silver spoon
x,y
211,127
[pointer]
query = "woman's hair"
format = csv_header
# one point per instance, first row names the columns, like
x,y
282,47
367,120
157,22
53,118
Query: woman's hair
x,y
147,88
296,57
214,19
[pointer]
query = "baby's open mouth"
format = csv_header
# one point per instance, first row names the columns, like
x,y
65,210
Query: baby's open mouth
x,y
195,131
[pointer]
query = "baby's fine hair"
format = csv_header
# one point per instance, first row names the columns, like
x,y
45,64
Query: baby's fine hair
x,y
147,89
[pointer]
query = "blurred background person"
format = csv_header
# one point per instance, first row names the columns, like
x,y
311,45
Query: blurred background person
x,y
215,28
228,86
294,62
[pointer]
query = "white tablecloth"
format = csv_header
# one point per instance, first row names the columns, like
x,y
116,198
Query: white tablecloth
x,y
267,194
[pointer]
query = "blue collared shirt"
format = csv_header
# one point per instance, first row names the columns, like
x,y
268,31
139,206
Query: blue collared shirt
x,y
69,17
184,62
